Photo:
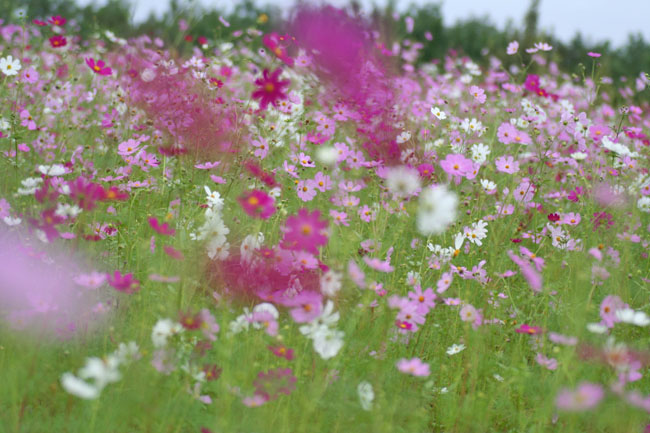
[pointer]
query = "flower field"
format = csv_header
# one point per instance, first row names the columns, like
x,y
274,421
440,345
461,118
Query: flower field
x,y
308,230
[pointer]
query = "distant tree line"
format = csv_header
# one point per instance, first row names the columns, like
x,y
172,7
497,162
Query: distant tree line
x,y
474,37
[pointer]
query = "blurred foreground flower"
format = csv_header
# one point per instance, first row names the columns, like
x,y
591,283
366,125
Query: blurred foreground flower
x,y
39,291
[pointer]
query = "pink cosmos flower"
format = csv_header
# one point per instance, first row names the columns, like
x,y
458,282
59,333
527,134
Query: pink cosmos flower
x,y
267,320
29,75
425,300
537,261
548,363
562,339
209,325
456,165
533,277
261,147
608,308
513,47
257,204
367,214
585,396
598,131
444,282
413,366
93,280
270,88
306,190
98,67
592,54
478,94
307,306
340,218
507,164
506,132
378,264
470,314
305,231
27,120
322,182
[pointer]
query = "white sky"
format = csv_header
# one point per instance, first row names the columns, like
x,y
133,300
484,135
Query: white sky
x,y
597,20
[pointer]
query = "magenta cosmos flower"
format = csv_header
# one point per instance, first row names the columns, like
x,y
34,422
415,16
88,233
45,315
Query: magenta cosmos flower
x,y
123,283
98,67
58,41
270,88
163,228
257,204
305,231
527,329
413,366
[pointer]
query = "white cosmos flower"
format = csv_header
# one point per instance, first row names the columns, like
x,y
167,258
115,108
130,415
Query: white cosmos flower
x,y
455,348
10,66
52,170
643,204
618,148
330,283
403,137
402,181
328,342
214,199
101,371
78,387
438,113
366,395
628,315
596,328
162,330
437,210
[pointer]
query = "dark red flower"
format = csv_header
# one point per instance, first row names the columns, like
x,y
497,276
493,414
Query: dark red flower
x,y
553,217
271,89
275,382
212,372
190,321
